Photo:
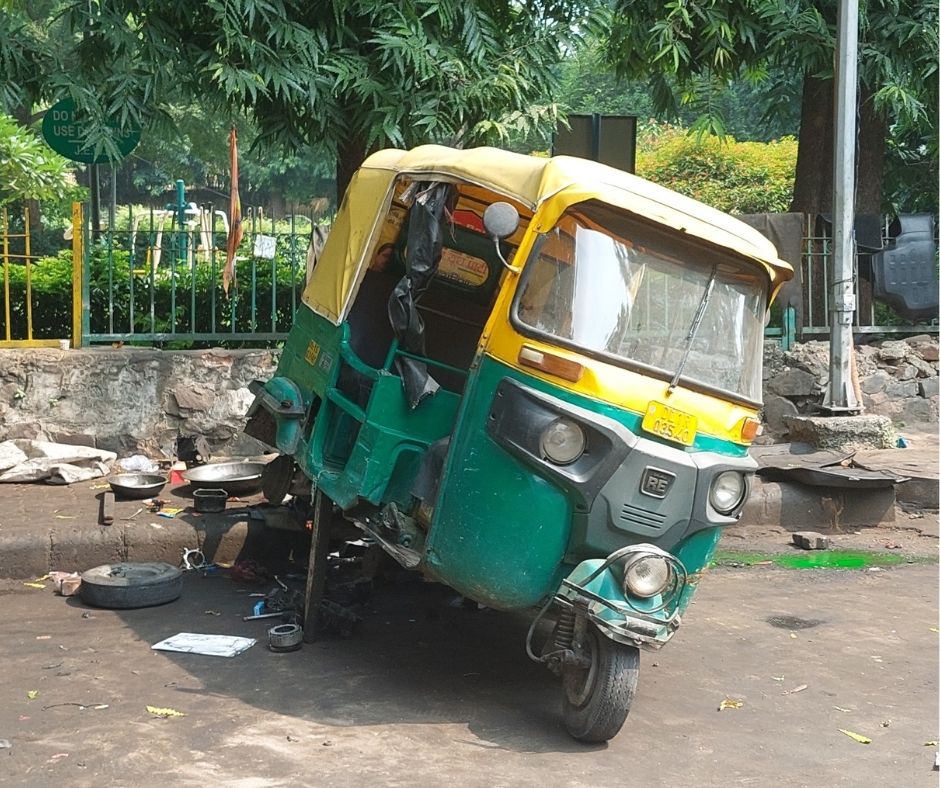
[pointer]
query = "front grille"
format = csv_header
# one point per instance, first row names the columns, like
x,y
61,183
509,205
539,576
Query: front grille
x,y
637,515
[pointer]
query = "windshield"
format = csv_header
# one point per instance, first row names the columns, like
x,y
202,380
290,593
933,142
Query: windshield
x,y
611,286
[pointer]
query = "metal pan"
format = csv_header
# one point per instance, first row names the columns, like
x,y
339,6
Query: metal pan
x,y
236,478
137,485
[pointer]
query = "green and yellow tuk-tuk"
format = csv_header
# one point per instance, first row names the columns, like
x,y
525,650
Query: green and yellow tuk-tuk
x,y
533,380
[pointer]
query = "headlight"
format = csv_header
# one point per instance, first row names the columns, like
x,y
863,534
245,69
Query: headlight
x,y
727,491
562,441
647,575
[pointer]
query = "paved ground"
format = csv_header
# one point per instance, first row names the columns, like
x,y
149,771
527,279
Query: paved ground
x,y
428,694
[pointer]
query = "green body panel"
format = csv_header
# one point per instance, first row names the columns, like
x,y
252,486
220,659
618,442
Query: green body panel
x,y
310,327
500,532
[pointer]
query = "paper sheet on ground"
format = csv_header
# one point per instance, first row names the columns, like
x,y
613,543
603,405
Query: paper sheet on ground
x,y
210,645
23,460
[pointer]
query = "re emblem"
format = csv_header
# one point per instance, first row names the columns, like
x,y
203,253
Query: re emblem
x,y
656,483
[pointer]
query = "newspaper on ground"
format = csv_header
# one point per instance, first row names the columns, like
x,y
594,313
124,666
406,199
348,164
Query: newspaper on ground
x,y
210,645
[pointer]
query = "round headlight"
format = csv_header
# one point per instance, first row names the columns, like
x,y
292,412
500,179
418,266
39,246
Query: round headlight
x,y
647,576
562,441
727,491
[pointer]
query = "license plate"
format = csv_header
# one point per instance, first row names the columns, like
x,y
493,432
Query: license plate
x,y
669,423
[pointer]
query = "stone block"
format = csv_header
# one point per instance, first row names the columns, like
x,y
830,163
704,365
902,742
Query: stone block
x,y
872,384
919,411
924,368
76,549
190,398
776,409
25,555
930,387
792,383
810,540
928,351
906,372
901,389
894,351
843,433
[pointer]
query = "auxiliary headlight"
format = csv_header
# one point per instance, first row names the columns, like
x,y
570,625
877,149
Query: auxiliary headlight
x,y
562,441
727,491
647,575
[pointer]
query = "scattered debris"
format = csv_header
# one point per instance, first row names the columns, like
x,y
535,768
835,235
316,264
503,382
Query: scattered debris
x,y
164,713
81,706
5,744
34,585
66,583
840,708
194,559
796,689
212,612
285,637
58,757
885,723
810,540
856,736
892,546
778,678
292,738
930,744
44,637
730,703
209,645
32,694
133,515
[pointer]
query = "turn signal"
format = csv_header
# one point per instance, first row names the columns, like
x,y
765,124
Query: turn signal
x,y
749,429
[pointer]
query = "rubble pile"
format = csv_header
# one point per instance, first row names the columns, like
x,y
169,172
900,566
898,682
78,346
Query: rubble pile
x,y
898,378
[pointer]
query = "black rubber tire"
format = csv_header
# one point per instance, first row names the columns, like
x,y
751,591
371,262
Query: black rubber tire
x,y
131,584
596,713
276,479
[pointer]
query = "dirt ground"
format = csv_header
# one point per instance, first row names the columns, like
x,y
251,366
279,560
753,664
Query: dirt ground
x,y
429,694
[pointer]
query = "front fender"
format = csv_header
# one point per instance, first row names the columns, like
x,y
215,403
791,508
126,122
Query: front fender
x,y
283,399
595,589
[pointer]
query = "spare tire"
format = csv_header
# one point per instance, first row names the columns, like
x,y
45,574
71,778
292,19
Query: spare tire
x,y
131,584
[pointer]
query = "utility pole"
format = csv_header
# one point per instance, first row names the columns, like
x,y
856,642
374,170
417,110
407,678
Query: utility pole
x,y
840,394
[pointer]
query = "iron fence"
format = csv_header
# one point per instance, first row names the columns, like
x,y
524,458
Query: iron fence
x,y
151,278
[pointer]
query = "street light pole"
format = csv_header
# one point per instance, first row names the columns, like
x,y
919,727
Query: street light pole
x,y
840,394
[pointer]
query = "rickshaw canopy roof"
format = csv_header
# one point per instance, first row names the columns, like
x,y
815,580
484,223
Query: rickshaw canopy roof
x,y
529,181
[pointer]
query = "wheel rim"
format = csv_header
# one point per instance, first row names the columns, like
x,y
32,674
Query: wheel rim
x,y
579,682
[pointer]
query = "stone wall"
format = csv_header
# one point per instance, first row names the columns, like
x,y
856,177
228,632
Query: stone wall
x,y
131,400
898,379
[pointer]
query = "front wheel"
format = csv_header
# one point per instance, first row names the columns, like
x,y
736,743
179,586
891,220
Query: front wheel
x,y
597,698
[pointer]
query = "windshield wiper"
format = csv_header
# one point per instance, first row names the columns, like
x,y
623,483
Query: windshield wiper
x,y
693,329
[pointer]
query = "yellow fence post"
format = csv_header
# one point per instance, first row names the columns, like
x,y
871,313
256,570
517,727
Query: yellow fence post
x,y
6,274
78,260
29,276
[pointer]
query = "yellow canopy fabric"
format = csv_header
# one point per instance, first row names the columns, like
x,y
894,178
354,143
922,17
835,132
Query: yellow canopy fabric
x,y
530,181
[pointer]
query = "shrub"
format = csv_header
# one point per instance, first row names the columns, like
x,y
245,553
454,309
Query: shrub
x,y
735,177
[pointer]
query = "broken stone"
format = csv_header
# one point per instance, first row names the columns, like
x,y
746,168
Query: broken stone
x,y
906,372
876,382
901,389
894,351
924,368
192,399
843,433
929,387
928,352
811,540
792,383
776,409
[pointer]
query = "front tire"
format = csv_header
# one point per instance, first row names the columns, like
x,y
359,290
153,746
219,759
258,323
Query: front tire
x,y
597,699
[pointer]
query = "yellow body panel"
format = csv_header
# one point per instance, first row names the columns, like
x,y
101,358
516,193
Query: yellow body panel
x,y
540,186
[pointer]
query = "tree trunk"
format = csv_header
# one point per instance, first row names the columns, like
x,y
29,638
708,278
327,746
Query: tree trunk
x,y
812,191
349,157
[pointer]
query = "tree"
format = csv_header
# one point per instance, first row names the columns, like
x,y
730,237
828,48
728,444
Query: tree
x,y
347,76
29,169
698,46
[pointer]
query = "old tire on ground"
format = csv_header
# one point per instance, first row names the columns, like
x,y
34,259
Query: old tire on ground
x,y
598,699
131,584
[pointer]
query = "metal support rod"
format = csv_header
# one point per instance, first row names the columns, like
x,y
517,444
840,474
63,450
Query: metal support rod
x,y
840,394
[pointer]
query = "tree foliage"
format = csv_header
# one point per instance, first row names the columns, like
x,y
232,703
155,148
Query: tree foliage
x,y
29,169
326,72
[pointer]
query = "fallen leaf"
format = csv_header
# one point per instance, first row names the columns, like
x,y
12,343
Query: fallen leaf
x,y
793,635
795,689
730,703
32,694
164,712
35,585
778,678
40,579
934,629
930,744
839,708
856,736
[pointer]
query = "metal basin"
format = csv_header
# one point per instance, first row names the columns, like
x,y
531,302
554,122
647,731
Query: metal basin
x,y
236,478
137,485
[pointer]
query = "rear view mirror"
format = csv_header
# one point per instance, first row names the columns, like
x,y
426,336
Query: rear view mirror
x,y
500,220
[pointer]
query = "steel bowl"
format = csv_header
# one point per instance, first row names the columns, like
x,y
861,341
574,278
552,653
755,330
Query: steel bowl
x,y
137,485
236,478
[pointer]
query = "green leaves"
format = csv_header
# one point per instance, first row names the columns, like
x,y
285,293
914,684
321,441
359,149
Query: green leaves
x,y
29,169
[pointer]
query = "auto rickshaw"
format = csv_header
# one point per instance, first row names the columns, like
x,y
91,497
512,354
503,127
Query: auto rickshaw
x,y
534,380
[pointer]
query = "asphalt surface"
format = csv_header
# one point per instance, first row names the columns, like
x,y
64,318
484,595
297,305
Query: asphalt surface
x,y
429,694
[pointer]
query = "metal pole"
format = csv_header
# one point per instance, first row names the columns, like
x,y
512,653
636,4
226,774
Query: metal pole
x,y
840,394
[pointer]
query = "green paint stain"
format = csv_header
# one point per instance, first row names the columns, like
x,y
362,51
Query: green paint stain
x,y
817,559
